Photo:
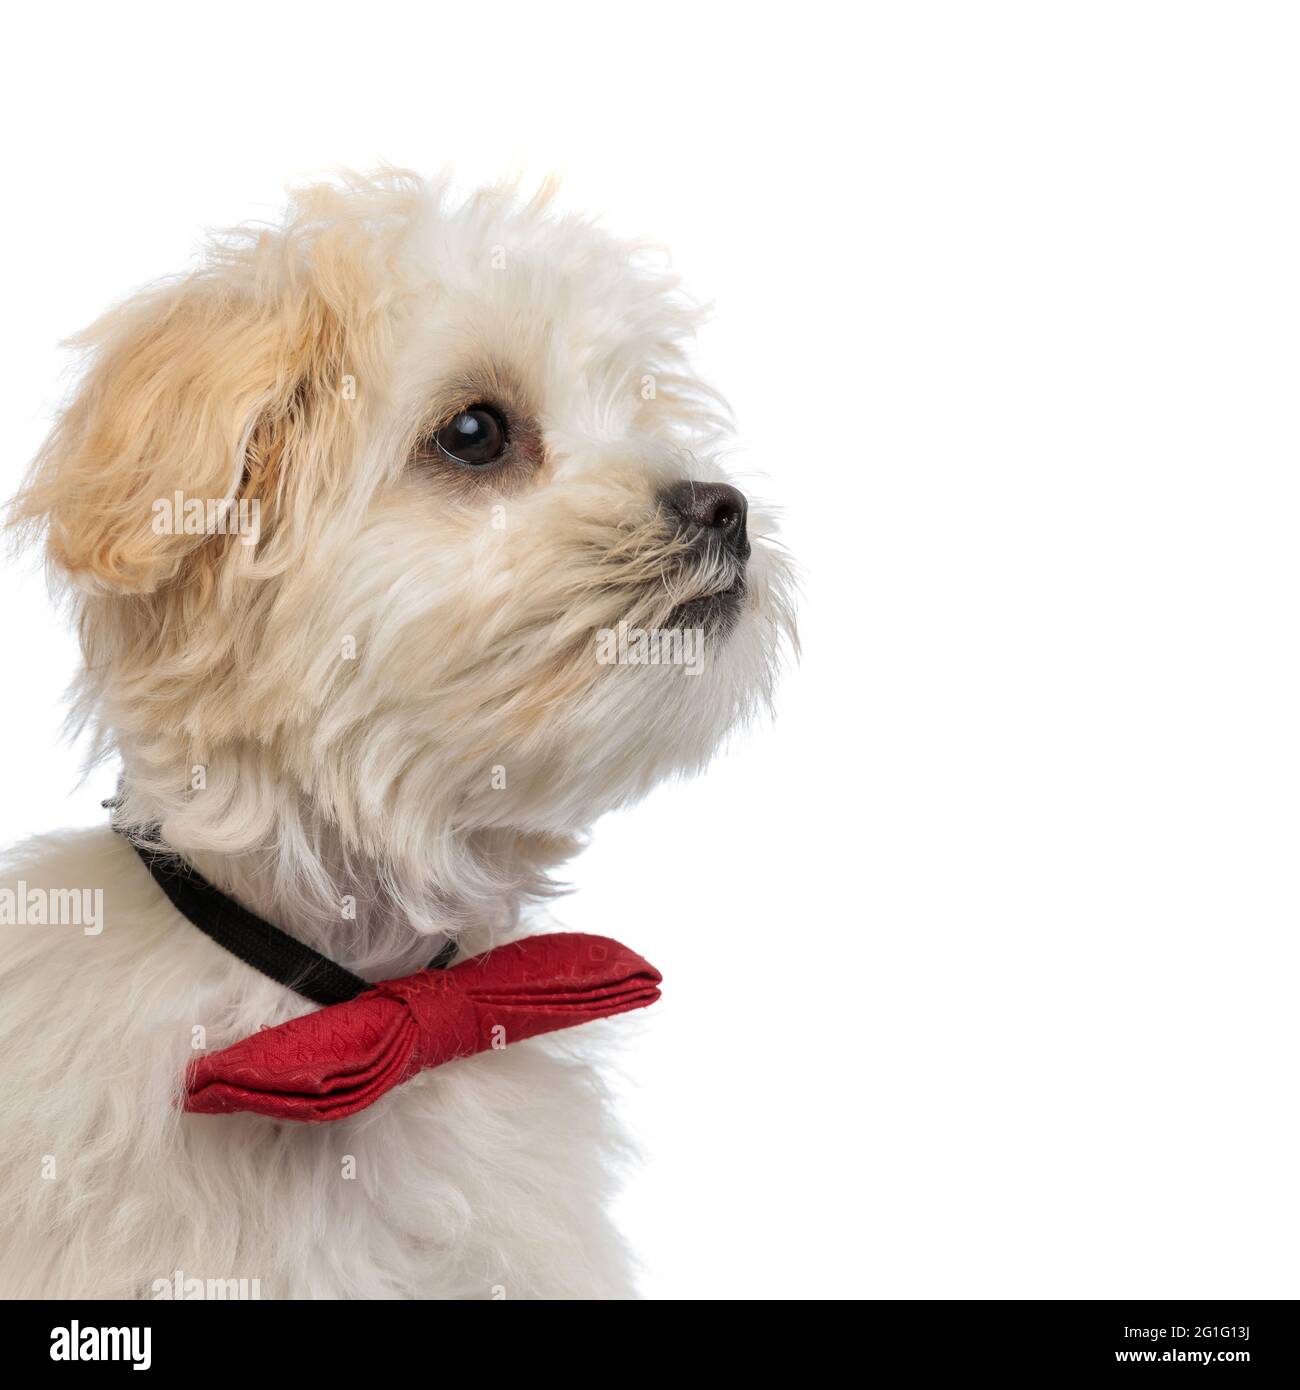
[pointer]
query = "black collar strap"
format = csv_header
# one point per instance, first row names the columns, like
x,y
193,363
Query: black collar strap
x,y
255,942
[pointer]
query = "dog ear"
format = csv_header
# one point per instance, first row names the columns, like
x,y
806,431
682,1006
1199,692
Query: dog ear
x,y
214,387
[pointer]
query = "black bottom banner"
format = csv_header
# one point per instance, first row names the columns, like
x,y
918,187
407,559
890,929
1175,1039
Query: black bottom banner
x,y
973,1338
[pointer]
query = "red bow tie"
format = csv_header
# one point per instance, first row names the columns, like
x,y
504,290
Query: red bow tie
x,y
330,1064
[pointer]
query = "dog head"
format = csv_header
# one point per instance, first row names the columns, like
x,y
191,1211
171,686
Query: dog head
x,y
404,517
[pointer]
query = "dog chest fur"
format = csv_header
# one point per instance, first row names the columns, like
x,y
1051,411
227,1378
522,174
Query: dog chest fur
x,y
487,1178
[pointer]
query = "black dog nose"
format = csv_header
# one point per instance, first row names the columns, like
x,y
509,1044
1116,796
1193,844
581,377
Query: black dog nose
x,y
717,508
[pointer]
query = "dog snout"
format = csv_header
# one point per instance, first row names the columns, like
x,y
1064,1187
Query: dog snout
x,y
710,509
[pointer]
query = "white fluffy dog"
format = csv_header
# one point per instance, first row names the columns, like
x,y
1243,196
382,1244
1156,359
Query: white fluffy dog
x,y
460,439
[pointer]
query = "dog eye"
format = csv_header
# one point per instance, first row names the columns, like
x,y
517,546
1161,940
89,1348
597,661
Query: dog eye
x,y
476,436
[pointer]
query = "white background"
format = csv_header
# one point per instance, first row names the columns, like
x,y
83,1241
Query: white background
x,y
982,961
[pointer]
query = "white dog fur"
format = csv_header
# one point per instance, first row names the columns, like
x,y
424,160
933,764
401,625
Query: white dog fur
x,y
329,715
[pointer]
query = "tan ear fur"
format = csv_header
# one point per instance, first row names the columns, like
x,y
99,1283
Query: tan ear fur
x,y
216,386
174,385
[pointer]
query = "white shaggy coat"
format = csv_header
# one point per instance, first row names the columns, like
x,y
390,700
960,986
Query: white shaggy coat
x,y
484,1178
378,725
